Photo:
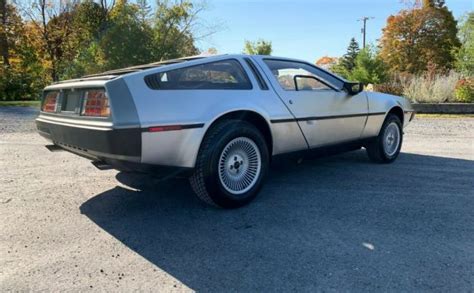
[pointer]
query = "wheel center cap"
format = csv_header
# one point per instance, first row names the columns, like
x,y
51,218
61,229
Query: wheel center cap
x,y
236,165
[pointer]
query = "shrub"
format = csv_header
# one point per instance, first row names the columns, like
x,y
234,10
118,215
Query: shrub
x,y
369,68
393,86
464,91
431,89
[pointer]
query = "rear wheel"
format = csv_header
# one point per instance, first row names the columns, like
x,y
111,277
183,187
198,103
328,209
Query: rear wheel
x,y
387,145
231,164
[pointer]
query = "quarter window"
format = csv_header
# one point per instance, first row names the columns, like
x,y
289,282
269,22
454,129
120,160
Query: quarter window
x,y
226,74
285,72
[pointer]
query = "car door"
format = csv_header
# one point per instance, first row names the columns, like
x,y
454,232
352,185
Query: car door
x,y
325,113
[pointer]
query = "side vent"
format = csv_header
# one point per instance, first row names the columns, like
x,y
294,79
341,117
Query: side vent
x,y
153,81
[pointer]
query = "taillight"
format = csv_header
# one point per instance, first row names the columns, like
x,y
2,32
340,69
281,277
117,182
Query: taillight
x,y
96,104
50,102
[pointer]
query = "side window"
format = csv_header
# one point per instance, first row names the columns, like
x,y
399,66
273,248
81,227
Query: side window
x,y
226,74
285,72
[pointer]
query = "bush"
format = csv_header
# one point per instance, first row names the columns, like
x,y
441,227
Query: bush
x,y
431,89
369,68
464,91
18,83
393,86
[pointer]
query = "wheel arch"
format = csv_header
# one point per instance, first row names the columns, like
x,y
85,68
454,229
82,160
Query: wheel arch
x,y
398,111
253,117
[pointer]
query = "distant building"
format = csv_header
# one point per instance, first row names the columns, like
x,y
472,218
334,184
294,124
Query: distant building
x,y
326,62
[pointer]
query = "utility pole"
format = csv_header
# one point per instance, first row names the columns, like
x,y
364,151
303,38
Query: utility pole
x,y
364,28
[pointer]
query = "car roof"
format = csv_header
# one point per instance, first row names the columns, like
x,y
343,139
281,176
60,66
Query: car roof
x,y
112,74
131,69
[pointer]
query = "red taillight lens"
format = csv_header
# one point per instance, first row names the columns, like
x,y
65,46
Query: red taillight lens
x,y
96,104
50,102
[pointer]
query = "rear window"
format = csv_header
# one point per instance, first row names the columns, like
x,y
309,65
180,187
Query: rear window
x,y
226,74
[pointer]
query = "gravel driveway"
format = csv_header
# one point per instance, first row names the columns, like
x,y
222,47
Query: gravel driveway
x,y
331,224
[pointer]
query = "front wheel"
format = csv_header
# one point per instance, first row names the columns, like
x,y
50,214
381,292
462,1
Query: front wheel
x,y
387,145
231,164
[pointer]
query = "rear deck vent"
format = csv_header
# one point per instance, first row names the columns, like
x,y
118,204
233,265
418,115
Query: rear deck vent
x,y
153,81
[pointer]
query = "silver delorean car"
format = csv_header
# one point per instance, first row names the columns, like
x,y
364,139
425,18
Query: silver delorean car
x,y
222,118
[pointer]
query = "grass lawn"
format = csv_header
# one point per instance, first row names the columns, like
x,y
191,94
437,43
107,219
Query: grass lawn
x,y
20,103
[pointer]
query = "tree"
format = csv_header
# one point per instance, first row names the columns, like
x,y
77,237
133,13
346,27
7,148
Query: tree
x,y
326,62
4,45
61,39
260,47
144,11
346,63
53,29
465,55
90,24
173,34
420,38
211,51
348,60
369,67
127,41
20,70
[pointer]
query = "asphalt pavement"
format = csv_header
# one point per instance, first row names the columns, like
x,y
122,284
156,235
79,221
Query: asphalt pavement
x,y
330,224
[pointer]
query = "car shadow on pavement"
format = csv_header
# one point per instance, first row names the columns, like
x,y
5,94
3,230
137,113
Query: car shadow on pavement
x,y
338,223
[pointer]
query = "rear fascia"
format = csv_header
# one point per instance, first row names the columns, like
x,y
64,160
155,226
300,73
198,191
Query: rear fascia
x,y
116,137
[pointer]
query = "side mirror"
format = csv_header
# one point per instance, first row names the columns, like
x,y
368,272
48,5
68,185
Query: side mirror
x,y
353,88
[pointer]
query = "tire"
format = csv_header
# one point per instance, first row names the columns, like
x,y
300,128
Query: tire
x,y
231,164
386,147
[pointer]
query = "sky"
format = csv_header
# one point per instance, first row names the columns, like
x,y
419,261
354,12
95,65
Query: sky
x,y
303,29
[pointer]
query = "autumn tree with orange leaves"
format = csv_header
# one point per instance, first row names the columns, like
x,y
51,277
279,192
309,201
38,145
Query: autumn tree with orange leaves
x,y
421,38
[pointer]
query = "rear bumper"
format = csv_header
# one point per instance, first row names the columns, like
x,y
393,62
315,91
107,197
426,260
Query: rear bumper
x,y
94,143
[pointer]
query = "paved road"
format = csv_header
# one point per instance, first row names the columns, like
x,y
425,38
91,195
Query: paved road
x,y
333,224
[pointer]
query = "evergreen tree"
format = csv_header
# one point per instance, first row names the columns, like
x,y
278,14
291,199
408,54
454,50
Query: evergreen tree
x,y
349,59
369,67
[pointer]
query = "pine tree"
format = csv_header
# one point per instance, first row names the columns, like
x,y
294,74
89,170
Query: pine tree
x,y
349,59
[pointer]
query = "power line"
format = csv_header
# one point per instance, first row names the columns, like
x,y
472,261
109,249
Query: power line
x,y
364,28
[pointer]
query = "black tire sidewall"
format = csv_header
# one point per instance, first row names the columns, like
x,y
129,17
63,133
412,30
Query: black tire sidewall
x,y
212,182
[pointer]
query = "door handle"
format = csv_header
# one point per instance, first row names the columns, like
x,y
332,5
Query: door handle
x,y
291,102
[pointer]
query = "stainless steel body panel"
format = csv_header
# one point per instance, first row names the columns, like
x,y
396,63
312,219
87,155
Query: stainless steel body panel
x,y
381,104
171,148
323,115
171,107
76,84
287,137
297,120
